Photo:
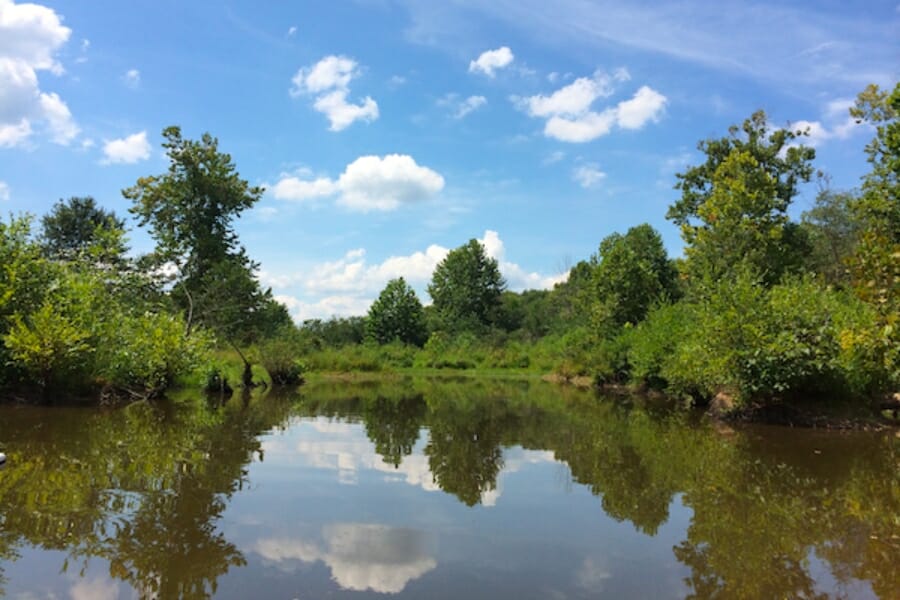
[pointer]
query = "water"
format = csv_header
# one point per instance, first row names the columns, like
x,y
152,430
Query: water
x,y
439,489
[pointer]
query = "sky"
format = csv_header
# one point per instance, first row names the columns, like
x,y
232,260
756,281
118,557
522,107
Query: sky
x,y
387,132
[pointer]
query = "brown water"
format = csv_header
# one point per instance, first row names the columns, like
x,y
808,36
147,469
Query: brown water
x,y
439,489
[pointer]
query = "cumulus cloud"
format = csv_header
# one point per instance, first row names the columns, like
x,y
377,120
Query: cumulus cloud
x,y
132,78
368,183
329,80
492,60
646,106
587,176
459,108
60,125
569,114
128,150
4,191
30,37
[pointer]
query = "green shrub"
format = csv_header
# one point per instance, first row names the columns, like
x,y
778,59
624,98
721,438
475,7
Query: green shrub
x,y
50,346
147,352
279,356
655,341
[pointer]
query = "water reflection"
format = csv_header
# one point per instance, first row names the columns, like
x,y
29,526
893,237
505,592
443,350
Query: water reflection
x,y
361,556
379,481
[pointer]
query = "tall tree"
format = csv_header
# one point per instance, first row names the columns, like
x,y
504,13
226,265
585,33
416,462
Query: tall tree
x,y
876,265
733,207
77,224
633,272
466,289
190,211
397,315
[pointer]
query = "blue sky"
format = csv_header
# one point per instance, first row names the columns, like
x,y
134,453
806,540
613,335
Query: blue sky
x,y
389,131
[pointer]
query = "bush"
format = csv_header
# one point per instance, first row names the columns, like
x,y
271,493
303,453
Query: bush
x,y
797,339
279,356
656,340
147,352
49,346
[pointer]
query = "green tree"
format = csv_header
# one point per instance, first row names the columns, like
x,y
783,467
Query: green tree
x,y
733,207
742,222
466,288
74,226
397,315
633,272
190,211
875,265
833,233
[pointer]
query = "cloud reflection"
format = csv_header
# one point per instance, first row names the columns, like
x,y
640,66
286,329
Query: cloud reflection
x,y
361,556
343,447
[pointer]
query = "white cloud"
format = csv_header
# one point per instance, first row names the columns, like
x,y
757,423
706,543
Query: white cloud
x,y
341,113
368,183
646,105
291,31
460,108
294,188
488,62
374,183
575,98
132,78
583,128
59,120
12,135
30,37
553,157
325,308
815,133
4,191
838,124
329,80
569,113
128,150
587,176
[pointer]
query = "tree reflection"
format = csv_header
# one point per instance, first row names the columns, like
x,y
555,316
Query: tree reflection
x,y
145,488
142,487
393,425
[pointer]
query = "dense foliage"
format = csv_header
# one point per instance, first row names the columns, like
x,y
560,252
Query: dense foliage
x,y
762,308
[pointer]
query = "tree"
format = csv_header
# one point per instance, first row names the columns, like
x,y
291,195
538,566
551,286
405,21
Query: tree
x,y
74,226
397,315
833,233
190,211
775,151
466,289
633,272
733,207
875,265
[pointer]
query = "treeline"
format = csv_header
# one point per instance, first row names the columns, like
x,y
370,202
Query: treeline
x,y
761,308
